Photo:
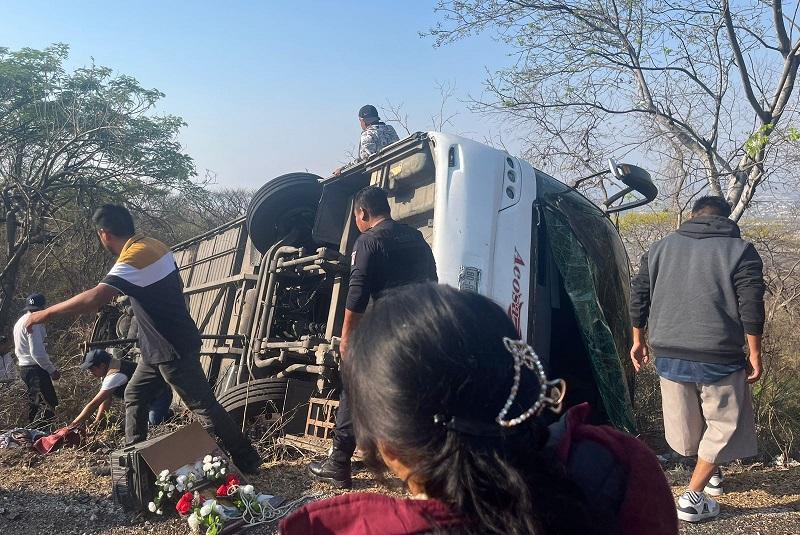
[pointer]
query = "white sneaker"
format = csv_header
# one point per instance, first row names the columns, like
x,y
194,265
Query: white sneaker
x,y
696,507
714,485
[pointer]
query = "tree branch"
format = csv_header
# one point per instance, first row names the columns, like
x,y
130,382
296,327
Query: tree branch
x,y
740,63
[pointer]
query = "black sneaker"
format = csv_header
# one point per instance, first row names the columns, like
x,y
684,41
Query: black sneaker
x,y
334,472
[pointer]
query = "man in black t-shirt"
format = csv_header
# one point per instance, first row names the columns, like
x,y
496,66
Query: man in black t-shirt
x,y
387,255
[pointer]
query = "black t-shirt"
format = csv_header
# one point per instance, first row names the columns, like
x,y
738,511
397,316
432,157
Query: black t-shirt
x,y
386,256
126,368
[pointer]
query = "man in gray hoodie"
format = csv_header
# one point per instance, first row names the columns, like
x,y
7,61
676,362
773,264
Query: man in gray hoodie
x,y
700,296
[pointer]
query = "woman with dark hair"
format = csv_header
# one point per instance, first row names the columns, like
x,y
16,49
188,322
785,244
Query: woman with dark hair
x,y
445,398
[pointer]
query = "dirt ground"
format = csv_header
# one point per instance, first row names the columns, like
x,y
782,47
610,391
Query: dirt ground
x,y
59,494
757,501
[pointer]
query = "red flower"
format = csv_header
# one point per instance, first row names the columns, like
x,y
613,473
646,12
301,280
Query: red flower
x,y
184,505
230,481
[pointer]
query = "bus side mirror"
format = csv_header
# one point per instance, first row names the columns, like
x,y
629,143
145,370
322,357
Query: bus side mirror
x,y
637,180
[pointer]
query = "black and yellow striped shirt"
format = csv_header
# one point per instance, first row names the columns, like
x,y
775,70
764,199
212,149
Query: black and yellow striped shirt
x,y
146,272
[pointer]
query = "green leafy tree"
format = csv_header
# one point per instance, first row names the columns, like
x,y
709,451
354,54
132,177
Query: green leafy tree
x,y
70,141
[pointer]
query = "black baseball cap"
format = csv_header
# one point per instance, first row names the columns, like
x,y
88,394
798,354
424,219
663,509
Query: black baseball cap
x,y
95,357
368,112
35,302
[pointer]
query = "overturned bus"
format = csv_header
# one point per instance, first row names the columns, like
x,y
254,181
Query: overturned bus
x,y
268,290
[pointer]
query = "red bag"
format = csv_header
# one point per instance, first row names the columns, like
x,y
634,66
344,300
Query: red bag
x,y
66,436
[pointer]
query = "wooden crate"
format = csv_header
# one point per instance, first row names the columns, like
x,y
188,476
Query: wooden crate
x,y
321,418
318,436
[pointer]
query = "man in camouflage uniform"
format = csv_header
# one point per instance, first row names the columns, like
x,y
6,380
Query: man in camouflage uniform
x,y
375,135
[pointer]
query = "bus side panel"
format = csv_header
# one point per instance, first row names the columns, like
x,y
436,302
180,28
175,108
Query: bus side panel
x,y
512,252
468,183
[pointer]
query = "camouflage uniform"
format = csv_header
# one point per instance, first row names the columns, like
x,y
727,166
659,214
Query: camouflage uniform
x,y
374,138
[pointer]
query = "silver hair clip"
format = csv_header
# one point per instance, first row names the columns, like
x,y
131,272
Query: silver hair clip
x,y
551,393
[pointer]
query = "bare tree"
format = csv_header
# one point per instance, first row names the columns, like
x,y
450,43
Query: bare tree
x,y
177,218
395,113
441,120
704,87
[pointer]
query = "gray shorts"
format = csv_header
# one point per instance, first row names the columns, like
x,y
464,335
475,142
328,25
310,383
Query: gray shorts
x,y
713,421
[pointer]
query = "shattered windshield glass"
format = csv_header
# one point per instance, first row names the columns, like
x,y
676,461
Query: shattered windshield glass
x,y
594,266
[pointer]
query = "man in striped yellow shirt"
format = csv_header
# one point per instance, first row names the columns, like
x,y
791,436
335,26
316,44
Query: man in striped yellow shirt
x,y
146,272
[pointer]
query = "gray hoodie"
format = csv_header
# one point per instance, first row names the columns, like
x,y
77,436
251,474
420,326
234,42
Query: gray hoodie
x,y
699,291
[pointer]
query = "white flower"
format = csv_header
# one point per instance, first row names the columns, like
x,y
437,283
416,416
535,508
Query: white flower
x,y
208,506
207,459
159,512
164,473
222,470
246,489
160,493
152,507
171,488
206,468
194,522
189,485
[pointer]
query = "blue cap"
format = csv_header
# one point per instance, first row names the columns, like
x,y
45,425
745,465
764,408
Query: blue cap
x,y
95,357
368,112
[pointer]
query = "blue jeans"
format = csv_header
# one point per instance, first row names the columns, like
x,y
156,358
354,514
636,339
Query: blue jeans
x,y
159,408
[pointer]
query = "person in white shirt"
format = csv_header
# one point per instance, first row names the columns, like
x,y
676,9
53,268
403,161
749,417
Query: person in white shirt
x,y
8,370
35,367
115,374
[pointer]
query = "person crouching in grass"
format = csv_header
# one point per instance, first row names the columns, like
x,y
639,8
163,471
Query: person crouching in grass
x,y
115,374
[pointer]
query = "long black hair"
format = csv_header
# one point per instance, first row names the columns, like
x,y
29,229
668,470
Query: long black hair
x,y
428,354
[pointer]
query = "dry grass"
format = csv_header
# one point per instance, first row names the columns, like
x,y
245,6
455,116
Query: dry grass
x,y
71,500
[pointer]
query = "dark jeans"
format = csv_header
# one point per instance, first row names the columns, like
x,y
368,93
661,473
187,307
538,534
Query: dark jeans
x,y
344,439
186,377
159,408
40,393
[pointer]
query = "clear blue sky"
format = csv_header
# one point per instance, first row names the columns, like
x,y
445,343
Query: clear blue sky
x,y
269,87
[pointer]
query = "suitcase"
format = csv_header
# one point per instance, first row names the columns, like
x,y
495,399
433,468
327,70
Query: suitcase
x,y
132,480
134,468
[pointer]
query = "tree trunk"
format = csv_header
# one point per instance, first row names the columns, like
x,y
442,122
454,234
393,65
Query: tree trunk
x,y
8,288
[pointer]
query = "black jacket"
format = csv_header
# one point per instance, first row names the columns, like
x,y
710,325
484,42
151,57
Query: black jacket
x,y
388,255
699,291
